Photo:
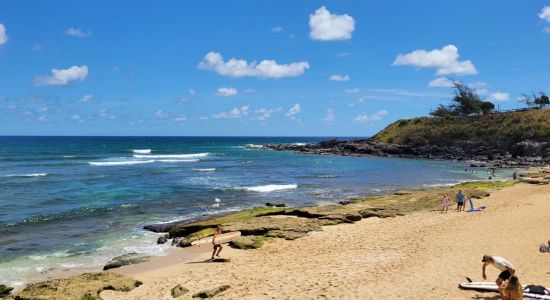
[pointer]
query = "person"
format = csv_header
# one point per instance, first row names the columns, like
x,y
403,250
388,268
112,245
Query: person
x,y
445,203
217,246
460,197
506,267
511,289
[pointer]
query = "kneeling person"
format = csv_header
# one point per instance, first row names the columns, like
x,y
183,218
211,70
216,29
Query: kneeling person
x,y
506,267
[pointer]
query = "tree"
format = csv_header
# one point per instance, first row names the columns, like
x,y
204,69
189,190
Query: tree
x,y
487,107
466,101
542,100
528,100
442,111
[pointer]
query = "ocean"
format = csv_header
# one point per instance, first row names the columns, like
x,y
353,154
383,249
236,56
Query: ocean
x,y
76,202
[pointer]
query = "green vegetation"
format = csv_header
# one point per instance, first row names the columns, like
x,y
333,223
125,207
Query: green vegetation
x,y
500,130
486,185
539,101
465,102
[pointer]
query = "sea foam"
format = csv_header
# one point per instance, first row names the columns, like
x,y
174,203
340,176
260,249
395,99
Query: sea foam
x,y
205,169
142,151
120,163
270,188
169,156
28,175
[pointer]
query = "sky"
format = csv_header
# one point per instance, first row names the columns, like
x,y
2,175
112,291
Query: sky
x,y
259,68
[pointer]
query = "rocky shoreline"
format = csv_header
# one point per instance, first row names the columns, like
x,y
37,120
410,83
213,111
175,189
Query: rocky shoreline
x,y
526,153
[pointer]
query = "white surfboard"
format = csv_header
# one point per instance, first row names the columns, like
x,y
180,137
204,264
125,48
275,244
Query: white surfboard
x,y
484,286
220,239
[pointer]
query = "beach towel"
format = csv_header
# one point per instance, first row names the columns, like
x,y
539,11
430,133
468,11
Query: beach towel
x,y
536,289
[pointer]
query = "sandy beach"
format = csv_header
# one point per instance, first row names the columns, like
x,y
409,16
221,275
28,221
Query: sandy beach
x,y
417,256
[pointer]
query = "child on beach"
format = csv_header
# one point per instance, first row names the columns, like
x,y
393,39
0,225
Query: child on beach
x,y
511,289
217,246
445,203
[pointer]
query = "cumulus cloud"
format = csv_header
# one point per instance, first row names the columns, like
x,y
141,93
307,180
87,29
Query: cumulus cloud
x,y
365,118
63,76
77,32
161,114
352,91
441,82
499,96
326,26
227,91
180,119
294,111
338,77
77,118
214,61
235,113
264,113
3,35
445,60
545,14
330,115
86,98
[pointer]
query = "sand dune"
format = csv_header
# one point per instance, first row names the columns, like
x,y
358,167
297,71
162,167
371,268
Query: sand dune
x,y
419,256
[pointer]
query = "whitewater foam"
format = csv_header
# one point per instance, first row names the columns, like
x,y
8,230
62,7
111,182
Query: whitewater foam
x,y
205,169
142,151
270,188
120,163
176,160
168,156
27,175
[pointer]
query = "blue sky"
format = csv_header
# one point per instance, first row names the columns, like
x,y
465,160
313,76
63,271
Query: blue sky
x,y
293,68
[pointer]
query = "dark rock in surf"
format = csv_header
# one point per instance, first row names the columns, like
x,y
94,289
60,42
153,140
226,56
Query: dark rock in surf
x,y
124,260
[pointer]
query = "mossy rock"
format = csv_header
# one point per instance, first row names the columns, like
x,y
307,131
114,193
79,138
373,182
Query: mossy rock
x,y
186,241
248,242
178,291
125,260
211,293
285,234
5,290
84,286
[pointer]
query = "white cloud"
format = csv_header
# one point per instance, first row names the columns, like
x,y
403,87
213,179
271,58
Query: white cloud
x,y
161,114
86,98
338,77
293,111
43,119
330,115
180,119
77,32
264,113
192,92
277,29
227,91
352,91
104,113
442,82
250,91
240,68
3,35
77,119
330,27
545,14
445,60
364,118
235,113
499,96
63,76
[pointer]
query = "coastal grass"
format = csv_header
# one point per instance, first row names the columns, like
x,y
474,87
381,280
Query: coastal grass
x,y
500,130
537,175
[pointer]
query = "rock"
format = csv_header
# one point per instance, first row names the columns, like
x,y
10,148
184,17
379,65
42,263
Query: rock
x,y
533,181
262,225
380,213
285,234
401,193
162,239
5,290
124,260
178,291
248,242
269,204
84,286
211,293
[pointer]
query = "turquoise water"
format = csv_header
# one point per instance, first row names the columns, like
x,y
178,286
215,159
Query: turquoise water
x,y
70,202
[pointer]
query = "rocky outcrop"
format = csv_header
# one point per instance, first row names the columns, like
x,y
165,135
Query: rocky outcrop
x,y
248,242
5,290
84,286
125,260
211,293
263,225
178,291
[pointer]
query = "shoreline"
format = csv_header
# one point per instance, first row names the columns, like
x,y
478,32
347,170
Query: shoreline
x,y
186,254
391,263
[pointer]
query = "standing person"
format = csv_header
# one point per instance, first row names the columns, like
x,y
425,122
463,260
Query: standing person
x,y
445,203
501,263
511,289
460,198
217,246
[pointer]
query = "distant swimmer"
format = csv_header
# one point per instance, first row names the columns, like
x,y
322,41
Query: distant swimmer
x,y
506,267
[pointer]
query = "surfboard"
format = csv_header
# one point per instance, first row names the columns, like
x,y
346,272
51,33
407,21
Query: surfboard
x,y
220,239
484,286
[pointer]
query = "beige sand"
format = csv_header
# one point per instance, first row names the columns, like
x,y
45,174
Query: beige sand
x,y
420,256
